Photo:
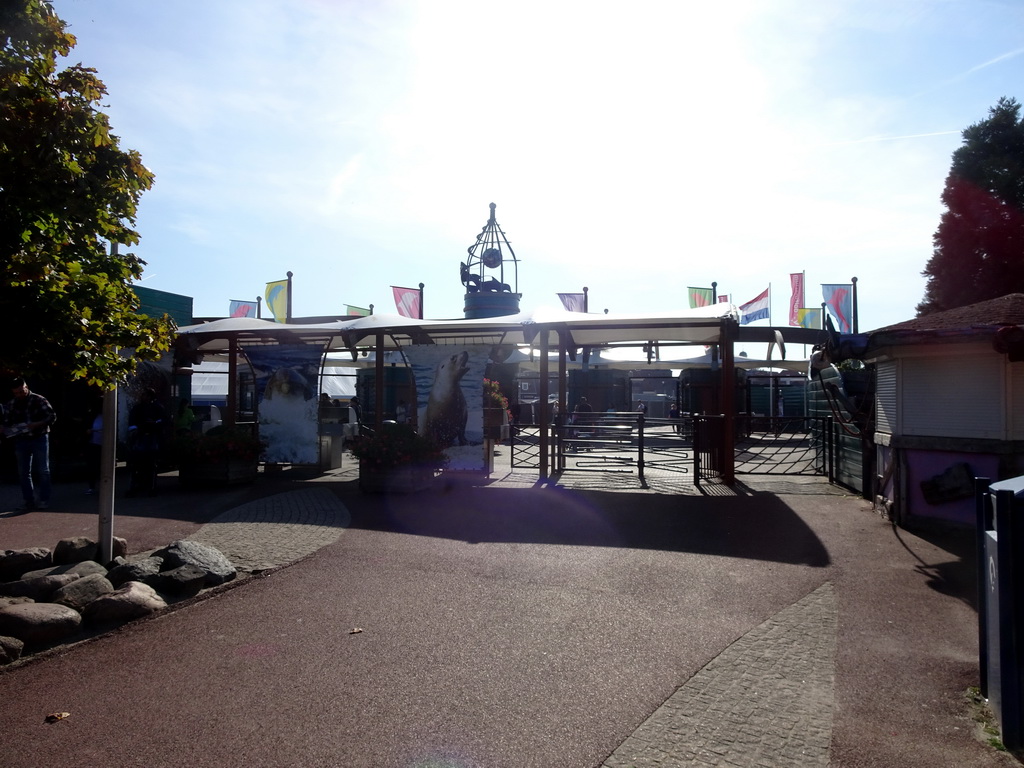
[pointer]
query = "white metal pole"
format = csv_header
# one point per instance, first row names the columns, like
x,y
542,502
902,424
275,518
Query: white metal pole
x,y
108,463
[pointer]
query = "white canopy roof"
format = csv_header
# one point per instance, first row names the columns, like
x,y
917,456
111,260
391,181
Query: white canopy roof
x,y
695,326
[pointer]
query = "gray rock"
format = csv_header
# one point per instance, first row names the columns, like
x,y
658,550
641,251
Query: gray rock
x,y
38,588
120,548
184,581
14,563
218,568
5,601
139,570
81,592
132,601
75,550
84,568
39,623
10,649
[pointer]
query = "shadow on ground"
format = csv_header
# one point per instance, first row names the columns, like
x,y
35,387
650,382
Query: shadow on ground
x,y
760,527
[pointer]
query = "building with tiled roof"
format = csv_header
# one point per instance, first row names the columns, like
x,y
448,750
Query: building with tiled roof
x,y
949,407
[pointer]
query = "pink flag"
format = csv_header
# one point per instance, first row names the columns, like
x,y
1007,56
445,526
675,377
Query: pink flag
x,y
700,297
408,301
796,301
242,309
839,301
573,302
723,298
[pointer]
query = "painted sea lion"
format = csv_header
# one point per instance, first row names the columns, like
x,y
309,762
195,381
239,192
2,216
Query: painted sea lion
x,y
444,419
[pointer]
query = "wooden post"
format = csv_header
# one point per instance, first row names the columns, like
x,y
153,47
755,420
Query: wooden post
x,y
728,400
542,404
378,384
230,417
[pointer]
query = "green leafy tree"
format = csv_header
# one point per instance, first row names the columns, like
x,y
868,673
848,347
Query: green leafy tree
x,y
67,191
979,245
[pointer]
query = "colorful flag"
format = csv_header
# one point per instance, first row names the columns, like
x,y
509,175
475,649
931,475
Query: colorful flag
x,y
277,300
407,300
242,309
839,300
351,311
573,302
723,298
756,309
796,301
808,318
700,297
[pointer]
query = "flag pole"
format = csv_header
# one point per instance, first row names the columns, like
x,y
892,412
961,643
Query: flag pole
x,y
288,309
259,306
714,292
803,297
421,301
585,289
854,297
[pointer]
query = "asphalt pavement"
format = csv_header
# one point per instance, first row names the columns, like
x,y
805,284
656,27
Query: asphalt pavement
x,y
595,621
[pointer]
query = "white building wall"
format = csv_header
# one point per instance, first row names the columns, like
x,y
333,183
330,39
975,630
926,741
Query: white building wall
x,y
886,397
957,394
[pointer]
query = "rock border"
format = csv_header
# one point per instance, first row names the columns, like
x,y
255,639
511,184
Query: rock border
x,y
51,600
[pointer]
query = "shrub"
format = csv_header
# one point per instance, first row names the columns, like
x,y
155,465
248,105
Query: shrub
x,y
398,445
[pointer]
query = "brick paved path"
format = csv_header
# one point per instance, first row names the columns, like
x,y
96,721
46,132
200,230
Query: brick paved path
x,y
276,530
765,701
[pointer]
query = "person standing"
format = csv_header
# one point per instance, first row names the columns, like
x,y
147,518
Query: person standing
x,y
27,419
185,419
145,430
94,451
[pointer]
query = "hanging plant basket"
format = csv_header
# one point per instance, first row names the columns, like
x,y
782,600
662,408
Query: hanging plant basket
x,y
496,424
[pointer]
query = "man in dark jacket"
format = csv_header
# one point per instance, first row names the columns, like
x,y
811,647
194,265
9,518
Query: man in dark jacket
x,y
146,422
26,419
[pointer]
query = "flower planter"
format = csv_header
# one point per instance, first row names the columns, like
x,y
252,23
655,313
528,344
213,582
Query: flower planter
x,y
496,424
394,479
228,472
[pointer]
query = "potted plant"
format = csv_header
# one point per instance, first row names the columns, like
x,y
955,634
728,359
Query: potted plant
x,y
496,413
397,459
222,456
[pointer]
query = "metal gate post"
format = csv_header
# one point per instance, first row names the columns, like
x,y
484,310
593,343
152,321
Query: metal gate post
x,y
830,448
559,442
640,445
543,407
697,437
983,522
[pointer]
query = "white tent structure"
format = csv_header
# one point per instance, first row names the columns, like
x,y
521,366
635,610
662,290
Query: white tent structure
x,y
210,381
554,336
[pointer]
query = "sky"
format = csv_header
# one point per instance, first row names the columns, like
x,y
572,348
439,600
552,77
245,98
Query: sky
x,y
636,149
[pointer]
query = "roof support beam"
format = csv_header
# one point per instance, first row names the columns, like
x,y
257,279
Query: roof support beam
x,y
728,400
543,406
378,384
